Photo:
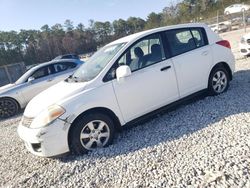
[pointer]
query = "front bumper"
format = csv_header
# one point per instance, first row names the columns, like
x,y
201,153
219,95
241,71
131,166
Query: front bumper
x,y
47,141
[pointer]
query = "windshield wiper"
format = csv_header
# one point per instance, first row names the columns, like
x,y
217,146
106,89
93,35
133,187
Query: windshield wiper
x,y
71,78
75,79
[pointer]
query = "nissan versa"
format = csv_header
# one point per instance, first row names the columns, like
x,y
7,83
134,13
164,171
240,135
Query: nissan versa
x,y
123,81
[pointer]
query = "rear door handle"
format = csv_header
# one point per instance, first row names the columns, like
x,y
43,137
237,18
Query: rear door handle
x,y
165,68
204,53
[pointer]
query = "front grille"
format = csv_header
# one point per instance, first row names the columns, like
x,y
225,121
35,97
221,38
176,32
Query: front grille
x,y
243,50
26,121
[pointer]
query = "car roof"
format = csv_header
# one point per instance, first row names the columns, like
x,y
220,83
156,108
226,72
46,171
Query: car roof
x,y
36,67
135,36
65,55
235,4
55,61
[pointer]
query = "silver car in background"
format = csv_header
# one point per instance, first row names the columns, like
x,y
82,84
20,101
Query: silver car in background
x,y
219,28
16,96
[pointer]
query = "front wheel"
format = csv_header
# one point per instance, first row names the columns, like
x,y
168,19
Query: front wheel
x,y
218,81
8,107
90,132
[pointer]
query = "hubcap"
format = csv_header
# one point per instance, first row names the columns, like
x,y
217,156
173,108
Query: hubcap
x,y
7,108
219,82
94,134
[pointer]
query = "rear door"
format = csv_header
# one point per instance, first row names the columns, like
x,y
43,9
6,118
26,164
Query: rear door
x,y
192,58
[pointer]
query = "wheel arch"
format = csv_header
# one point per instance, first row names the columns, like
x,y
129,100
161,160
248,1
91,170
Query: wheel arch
x,y
224,65
102,110
11,98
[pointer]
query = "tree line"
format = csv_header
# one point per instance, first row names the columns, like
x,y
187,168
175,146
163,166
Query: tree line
x,y
36,46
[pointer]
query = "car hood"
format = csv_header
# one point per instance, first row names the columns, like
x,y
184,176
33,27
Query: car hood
x,y
51,96
7,88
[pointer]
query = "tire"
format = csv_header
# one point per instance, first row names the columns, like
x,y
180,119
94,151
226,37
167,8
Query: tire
x,y
218,81
90,132
8,107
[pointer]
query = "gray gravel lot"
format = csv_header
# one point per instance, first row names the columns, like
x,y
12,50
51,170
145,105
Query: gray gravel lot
x,y
203,144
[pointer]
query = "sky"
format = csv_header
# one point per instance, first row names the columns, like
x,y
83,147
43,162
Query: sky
x,y
33,14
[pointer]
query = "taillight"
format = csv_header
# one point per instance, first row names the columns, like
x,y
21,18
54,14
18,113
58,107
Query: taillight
x,y
224,43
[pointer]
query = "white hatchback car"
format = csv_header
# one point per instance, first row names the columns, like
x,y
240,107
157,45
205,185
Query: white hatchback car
x,y
235,8
125,80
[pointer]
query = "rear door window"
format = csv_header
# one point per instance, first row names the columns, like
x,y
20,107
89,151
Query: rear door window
x,y
184,40
180,41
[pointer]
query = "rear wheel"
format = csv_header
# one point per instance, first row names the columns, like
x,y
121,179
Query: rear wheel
x,y
90,132
218,81
8,107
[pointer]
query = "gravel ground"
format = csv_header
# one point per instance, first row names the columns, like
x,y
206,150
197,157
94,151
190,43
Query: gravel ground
x,y
203,144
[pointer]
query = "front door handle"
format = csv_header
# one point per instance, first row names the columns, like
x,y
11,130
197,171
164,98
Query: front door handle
x,y
165,68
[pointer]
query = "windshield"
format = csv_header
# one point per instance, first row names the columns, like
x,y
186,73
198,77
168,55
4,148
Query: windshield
x,y
25,76
92,67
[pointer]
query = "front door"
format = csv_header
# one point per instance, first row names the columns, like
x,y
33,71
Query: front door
x,y
152,83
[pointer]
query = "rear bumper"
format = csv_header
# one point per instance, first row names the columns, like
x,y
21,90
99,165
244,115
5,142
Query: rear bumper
x,y
47,141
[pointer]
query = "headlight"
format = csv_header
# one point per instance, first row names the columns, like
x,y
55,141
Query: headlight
x,y
47,116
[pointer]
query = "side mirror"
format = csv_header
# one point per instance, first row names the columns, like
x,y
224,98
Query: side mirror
x,y
122,72
30,79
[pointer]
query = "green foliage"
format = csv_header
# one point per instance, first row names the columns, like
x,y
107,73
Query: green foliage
x,y
154,20
35,46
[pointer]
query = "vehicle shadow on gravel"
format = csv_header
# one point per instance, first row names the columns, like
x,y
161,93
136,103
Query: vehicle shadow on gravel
x,y
180,122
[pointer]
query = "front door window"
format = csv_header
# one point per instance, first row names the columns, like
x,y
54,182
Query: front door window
x,y
144,53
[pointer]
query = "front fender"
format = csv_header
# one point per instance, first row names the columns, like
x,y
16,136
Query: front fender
x,y
97,97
